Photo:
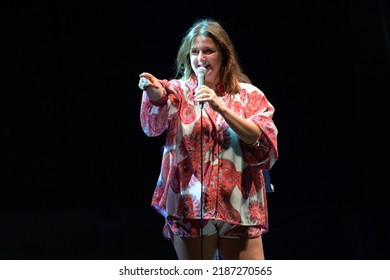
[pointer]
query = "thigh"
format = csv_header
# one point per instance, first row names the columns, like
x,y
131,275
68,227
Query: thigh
x,y
189,248
241,248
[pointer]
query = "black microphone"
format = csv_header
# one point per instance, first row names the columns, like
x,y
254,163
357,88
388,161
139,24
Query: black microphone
x,y
200,73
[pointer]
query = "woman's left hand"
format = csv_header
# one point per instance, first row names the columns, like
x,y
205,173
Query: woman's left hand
x,y
206,94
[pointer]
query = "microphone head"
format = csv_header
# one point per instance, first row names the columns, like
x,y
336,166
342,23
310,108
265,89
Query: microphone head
x,y
200,71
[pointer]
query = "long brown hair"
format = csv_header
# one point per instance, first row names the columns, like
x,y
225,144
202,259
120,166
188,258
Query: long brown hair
x,y
231,72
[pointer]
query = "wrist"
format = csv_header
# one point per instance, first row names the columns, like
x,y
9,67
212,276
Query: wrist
x,y
222,109
155,92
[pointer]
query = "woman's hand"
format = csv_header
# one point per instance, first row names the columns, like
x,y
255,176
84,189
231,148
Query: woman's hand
x,y
146,80
151,85
206,94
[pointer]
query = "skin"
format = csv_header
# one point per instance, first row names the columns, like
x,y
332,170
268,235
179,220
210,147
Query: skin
x,y
205,53
188,248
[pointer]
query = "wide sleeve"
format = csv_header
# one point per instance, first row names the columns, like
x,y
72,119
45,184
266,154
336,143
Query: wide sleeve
x,y
156,115
264,151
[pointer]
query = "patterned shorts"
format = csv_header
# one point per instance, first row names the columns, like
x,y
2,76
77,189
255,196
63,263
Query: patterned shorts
x,y
194,228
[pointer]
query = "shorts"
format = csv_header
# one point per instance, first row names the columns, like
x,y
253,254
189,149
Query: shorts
x,y
193,228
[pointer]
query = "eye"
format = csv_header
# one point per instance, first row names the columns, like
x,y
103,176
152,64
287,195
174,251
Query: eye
x,y
208,51
194,52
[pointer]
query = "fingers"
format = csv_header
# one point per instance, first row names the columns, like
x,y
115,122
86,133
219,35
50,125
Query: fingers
x,y
146,75
146,80
204,93
143,83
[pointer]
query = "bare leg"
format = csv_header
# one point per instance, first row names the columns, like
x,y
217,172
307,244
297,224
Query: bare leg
x,y
241,249
188,248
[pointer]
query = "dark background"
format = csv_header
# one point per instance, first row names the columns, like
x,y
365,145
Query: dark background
x,y
79,172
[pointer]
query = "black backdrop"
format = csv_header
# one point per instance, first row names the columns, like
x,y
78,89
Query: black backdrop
x,y
79,172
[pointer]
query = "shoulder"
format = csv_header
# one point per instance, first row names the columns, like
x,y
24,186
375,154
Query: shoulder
x,y
175,83
183,82
250,88
178,86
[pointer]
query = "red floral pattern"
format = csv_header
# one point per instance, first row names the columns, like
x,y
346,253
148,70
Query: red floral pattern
x,y
200,147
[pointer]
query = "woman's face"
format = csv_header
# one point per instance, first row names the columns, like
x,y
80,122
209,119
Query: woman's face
x,y
204,52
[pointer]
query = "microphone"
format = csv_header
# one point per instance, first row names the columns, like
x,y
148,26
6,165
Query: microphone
x,y
200,73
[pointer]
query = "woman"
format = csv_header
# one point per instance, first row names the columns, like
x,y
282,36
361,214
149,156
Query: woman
x,y
220,135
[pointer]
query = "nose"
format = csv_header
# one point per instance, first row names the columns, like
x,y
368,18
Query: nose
x,y
201,57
